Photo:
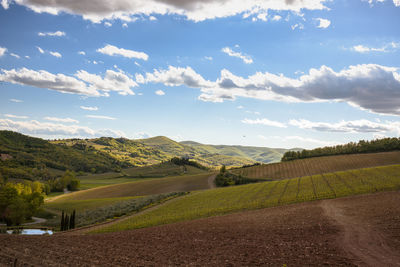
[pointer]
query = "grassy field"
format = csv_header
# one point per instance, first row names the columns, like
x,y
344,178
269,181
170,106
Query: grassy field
x,y
143,187
267,194
98,210
312,166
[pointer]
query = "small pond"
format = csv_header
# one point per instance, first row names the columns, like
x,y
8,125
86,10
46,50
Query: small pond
x,y
30,232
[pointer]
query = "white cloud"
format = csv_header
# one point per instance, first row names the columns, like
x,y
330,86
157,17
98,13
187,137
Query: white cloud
x,y
27,57
298,141
246,59
299,26
85,83
208,58
265,121
112,81
152,18
390,47
323,23
355,126
369,86
100,117
113,50
66,120
124,25
57,34
175,76
40,50
3,50
396,2
89,108
55,54
107,24
276,18
196,10
5,3
81,53
15,55
240,107
16,100
159,92
34,127
15,116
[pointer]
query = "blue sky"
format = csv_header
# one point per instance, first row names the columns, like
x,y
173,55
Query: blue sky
x,y
262,73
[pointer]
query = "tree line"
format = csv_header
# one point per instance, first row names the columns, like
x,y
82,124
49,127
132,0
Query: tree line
x,y
377,145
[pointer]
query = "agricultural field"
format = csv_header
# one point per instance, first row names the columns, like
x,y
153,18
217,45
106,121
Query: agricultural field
x,y
312,166
161,170
92,211
150,186
267,194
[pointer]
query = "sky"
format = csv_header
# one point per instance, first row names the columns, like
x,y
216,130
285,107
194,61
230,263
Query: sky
x,y
272,73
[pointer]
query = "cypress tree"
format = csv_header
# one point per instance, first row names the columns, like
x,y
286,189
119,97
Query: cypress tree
x,y
74,213
66,222
62,222
72,220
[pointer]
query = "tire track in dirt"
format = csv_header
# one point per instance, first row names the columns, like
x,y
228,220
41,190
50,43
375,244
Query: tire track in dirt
x,y
361,240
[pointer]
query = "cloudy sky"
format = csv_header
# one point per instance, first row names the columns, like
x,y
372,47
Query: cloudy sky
x,y
276,73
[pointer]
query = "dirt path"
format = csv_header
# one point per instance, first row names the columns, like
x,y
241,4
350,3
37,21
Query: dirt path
x,y
89,228
211,179
360,239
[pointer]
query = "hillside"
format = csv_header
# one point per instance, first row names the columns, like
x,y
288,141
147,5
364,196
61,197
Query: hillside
x,y
25,157
318,165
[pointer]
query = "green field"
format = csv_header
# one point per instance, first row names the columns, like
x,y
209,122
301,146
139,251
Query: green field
x,y
267,194
150,186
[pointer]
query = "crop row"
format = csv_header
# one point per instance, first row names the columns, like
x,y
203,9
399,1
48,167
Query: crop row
x,y
313,166
267,194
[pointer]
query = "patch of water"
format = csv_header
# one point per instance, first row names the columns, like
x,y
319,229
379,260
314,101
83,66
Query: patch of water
x,y
30,232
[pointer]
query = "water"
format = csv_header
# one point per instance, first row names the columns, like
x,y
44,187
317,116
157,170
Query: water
x,y
30,232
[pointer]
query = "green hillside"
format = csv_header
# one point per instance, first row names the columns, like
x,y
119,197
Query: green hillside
x,y
25,157
259,154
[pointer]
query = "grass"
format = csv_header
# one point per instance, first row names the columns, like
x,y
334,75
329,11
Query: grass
x,y
92,211
143,187
267,194
318,165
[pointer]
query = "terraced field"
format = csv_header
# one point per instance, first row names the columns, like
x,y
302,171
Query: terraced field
x,y
312,166
267,194
143,187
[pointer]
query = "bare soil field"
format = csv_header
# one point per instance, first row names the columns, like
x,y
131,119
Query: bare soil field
x,y
330,232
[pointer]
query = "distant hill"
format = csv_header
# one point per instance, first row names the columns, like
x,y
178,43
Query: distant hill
x,y
259,154
27,157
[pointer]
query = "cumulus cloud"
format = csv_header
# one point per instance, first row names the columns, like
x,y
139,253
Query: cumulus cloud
x,y
3,50
276,18
298,141
66,120
265,121
56,34
246,59
113,50
55,54
159,92
34,127
89,108
323,23
81,53
113,81
196,10
175,76
100,117
16,100
355,126
15,116
83,83
396,2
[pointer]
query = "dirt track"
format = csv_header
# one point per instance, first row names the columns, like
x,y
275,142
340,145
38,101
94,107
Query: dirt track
x,y
308,234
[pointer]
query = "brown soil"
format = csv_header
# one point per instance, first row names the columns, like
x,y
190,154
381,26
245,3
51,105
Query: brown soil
x,y
308,234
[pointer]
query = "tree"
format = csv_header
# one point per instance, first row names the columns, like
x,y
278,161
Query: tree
x,y
62,222
66,222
